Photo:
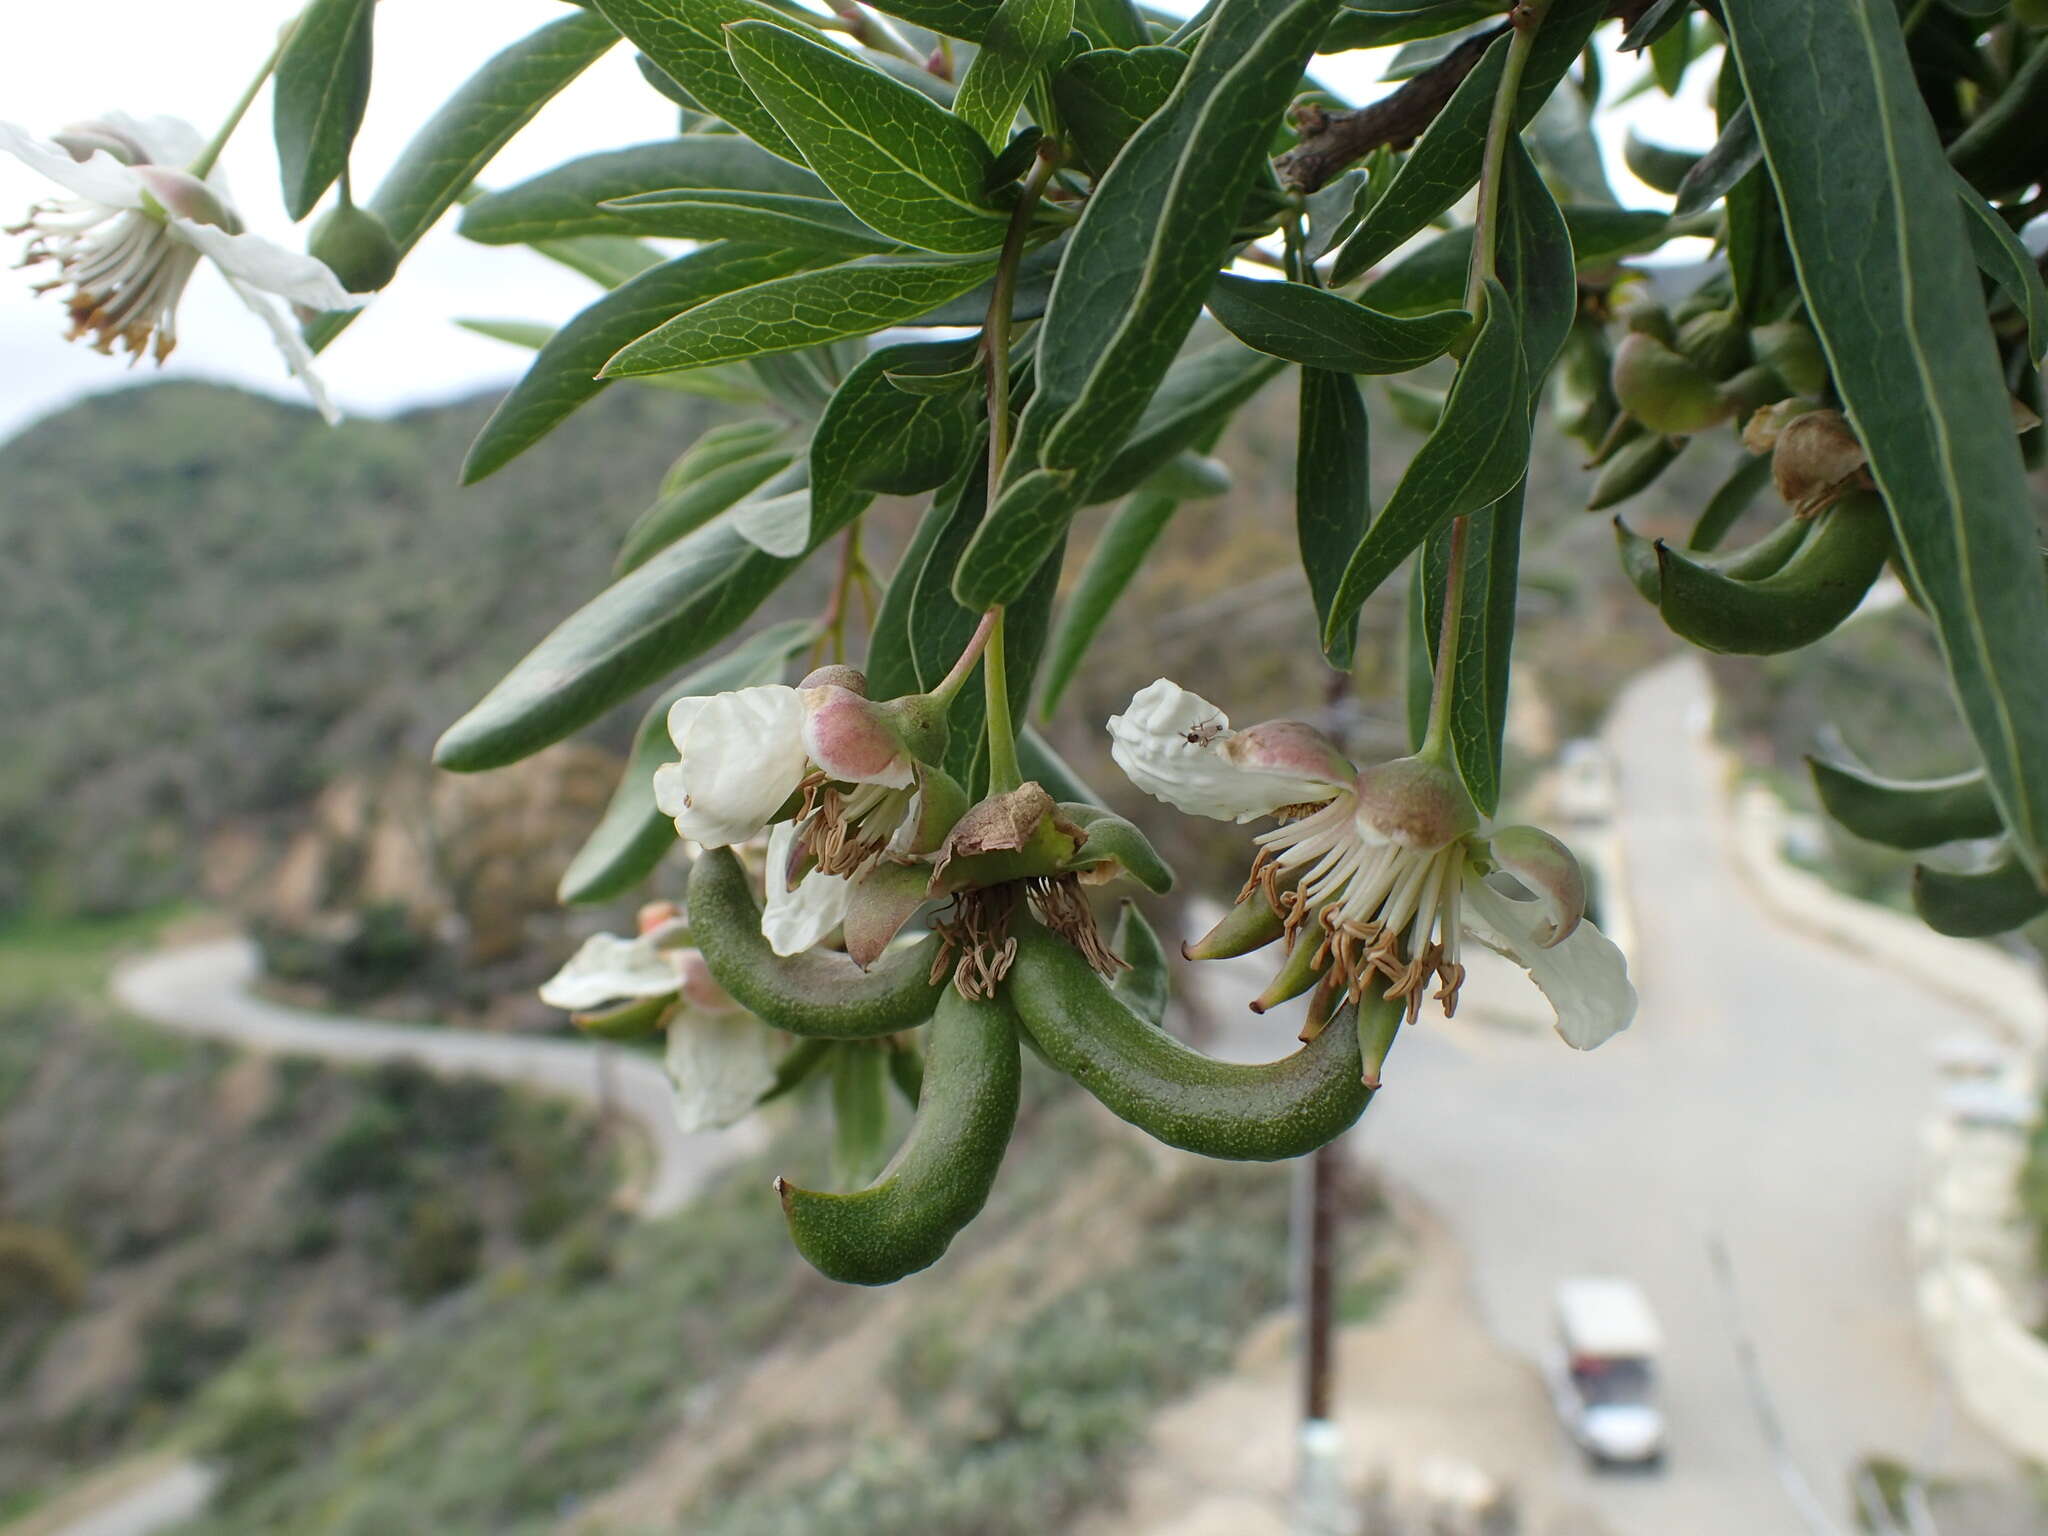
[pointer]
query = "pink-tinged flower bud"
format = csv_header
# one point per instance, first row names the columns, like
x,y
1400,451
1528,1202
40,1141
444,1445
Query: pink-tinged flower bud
x,y
852,739
698,987
1551,872
852,679
1416,803
656,915
1289,747
187,197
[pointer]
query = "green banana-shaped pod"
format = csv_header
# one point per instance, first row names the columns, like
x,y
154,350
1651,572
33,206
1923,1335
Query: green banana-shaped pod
x,y
1795,605
1174,1094
1978,904
1634,467
1145,988
1752,562
941,1175
820,992
1903,813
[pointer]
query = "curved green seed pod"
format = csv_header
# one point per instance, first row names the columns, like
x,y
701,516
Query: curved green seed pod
x,y
1185,1099
819,993
941,1175
1901,813
1805,599
1634,466
1145,988
1978,904
1766,557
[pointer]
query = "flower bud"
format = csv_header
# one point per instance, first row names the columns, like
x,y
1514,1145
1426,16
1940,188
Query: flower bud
x,y
1646,318
1416,802
1551,872
1666,392
852,679
1715,341
1791,351
356,247
1290,747
656,915
852,740
1761,432
1815,458
185,196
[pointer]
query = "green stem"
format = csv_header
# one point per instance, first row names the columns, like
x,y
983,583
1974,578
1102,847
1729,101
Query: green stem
x,y
1003,773
950,683
1433,739
1527,17
207,156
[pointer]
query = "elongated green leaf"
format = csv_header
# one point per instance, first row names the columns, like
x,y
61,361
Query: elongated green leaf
x,y
1656,19
903,163
875,437
693,500
1366,25
606,259
1024,37
686,39
633,835
1485,639
1324,330
1734,155
1901,813
1534,256
919,629
1976,904
1894,296
570,199
1137,269
476,122
1105,94
1477,454
2009,264
802,310
1126,539
1434,277
816,223
1111,23
564,376
1200,393
1657,165
967,19
724,384
1332,495
320,87
1445,161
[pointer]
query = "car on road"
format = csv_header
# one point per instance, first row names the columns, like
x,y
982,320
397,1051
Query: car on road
x,y
1603,1373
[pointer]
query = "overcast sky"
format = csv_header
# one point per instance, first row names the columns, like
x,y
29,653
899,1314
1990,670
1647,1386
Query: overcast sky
x,y
146,57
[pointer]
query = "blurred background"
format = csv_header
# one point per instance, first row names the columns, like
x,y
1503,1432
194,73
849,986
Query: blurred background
x,y
312,1218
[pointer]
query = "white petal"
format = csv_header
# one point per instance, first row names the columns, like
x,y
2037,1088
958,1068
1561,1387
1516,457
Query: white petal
x,y
99,178
609,969
264,264
298,357
1173,745
719,1065
166,140
742,757
794,921
1584,975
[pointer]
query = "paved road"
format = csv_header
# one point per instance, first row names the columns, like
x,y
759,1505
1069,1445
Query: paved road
x,y
1768,1097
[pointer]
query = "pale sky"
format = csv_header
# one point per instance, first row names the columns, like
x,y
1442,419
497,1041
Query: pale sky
x,y
145,57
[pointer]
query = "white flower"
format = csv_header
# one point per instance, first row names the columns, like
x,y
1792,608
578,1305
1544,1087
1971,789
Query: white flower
x,y
133,230
719,1064
611,969
745,754
799,917
1376,879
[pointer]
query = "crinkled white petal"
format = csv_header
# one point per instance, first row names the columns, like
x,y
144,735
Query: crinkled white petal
x,y
291,275
742,757
99,178
1584,976
794,921
1169,742
719,1065
298,357
610,969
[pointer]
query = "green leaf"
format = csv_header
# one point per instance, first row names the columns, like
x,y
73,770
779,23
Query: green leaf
x,y
458,141
1894,296
1144,987
1976,904
967,19
1137,268
1901,813
1534,255
1108,838
1024,37
633,835
919,629
1735,154
1200,392
1364,24
686,39
605,259
1324,330
1656,165
875,437
1434,277
1445,161
1670,53
571,198
707,383
1126,539
802,310
816,223
692,498
1657,18
320,87
901,162
564,376
1104,95
1332,495
1477,454
1111,23
1485,639
2010,265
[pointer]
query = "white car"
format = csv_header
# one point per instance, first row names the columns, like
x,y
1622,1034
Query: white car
x,y
1603,1376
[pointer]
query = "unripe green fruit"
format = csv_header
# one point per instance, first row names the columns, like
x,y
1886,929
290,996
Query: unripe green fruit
x,y
1651,319
1792,352
356,248
1716,341
1665,392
